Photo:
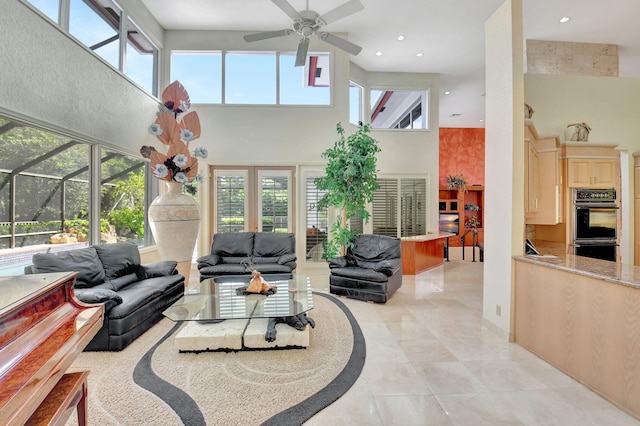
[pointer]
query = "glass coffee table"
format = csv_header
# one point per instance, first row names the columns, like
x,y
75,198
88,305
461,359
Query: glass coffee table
x,y
219,316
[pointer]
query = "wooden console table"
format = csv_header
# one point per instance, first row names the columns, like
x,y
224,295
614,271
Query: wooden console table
x,y
423,252
43,328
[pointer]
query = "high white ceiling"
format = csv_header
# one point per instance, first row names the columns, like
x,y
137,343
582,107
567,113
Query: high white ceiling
x,y
449,34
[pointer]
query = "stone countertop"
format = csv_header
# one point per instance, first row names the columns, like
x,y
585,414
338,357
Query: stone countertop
x,y
428,237
553,256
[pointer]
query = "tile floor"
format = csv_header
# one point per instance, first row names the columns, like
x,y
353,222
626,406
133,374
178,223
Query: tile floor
x,y
430,361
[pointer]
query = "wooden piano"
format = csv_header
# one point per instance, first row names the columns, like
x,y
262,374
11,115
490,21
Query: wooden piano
x,y
43,328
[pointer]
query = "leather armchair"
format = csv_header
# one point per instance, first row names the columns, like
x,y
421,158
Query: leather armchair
x,y
370,271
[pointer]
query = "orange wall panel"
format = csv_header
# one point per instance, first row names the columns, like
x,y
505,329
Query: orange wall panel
x,y
462,152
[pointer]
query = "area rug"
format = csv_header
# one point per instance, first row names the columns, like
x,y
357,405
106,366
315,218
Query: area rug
x,y
150,382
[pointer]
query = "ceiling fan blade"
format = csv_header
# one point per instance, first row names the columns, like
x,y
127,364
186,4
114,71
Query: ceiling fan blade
x,y
301,54
266,35
348,8
340,43
288,9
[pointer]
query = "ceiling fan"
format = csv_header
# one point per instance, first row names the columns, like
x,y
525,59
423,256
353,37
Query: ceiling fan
x,y
307,23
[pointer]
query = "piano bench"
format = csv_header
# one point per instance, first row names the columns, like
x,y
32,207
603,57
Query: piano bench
x,y
69,393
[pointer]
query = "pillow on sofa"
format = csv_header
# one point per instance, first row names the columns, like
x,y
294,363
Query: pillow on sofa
x,y
233,244
85,261
271,244
118,259
99,295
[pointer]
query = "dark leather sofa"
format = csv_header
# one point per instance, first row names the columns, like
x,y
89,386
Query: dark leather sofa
x,y
236,253
134,295
370,271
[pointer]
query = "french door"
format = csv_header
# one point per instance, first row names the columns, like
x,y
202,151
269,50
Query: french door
x,y
252,198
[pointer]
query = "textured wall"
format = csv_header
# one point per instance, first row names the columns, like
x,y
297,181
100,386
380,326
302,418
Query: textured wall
x,y
462,152
49,79
561,57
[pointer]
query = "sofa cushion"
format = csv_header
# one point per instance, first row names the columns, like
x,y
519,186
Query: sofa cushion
x,y
223,269
272,244
233,244
118,259
119,283
360,274
85,261
375,247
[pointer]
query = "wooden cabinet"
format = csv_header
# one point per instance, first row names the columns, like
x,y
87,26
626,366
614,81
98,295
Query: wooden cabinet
x,y
467,206
636,211
531,173
592,173
543,178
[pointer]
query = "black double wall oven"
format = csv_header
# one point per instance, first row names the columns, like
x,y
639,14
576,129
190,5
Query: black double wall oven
x,y
595,223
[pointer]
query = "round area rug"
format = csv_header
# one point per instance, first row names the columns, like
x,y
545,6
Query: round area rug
x,y
150,382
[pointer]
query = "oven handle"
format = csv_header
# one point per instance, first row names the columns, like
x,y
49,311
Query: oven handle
x,y
595,243
597,206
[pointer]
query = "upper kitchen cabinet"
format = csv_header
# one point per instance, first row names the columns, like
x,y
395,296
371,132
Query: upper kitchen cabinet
x,y
591,165
543,177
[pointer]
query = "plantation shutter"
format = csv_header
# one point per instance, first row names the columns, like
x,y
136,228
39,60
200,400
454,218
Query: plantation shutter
x,y
413,196
316,220
231,195
400,200
384,209
274,204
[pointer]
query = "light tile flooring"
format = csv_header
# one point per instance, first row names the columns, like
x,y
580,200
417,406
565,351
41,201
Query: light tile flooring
x,y
430,361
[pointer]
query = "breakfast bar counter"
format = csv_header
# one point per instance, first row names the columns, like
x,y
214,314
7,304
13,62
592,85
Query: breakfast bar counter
x,y
423,252
583,316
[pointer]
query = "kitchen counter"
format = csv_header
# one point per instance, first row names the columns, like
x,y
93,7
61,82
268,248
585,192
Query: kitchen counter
x,y
552,256
423,252
583,316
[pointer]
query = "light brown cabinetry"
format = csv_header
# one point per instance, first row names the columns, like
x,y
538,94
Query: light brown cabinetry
x,y
636,226
543,178
592,173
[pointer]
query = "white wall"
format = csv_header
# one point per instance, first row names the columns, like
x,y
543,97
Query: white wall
x,y
609,105
504,160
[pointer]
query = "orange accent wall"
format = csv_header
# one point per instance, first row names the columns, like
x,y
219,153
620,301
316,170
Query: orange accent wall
x,y
462,152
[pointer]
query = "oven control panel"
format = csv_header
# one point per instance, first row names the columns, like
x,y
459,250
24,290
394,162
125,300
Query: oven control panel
x,y
594,195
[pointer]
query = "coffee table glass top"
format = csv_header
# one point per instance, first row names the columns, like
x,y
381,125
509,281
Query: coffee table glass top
x,y
218,298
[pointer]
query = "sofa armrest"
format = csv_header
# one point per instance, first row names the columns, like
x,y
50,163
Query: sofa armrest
x,y
286,258
208,260
337,262
157,269
98,295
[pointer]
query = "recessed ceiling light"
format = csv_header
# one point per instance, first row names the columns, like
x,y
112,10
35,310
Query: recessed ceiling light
x,y
447,92
400,37
482,121
378,53
564,19
419,55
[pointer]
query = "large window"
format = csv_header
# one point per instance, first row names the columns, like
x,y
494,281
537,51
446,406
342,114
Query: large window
x,y
253,78
355,103
399,207
96,24
46,192
399,109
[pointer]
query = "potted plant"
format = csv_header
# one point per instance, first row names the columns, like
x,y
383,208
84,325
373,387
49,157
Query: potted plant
x,y
457,182
350,179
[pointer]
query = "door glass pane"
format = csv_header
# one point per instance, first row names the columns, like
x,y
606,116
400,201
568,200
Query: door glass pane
x,y
230,202
385,208
413,193
274,201
317,225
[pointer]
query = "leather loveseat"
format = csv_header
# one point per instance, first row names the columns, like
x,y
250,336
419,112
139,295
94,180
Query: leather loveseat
x,y
236,253
134,295
370,271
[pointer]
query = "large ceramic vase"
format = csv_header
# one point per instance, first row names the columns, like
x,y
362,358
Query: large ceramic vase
x,y
174,219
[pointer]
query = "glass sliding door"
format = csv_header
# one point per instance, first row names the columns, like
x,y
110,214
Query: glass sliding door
x,y
253,199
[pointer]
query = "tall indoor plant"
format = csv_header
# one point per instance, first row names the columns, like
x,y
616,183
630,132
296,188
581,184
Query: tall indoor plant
x,y
350,179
